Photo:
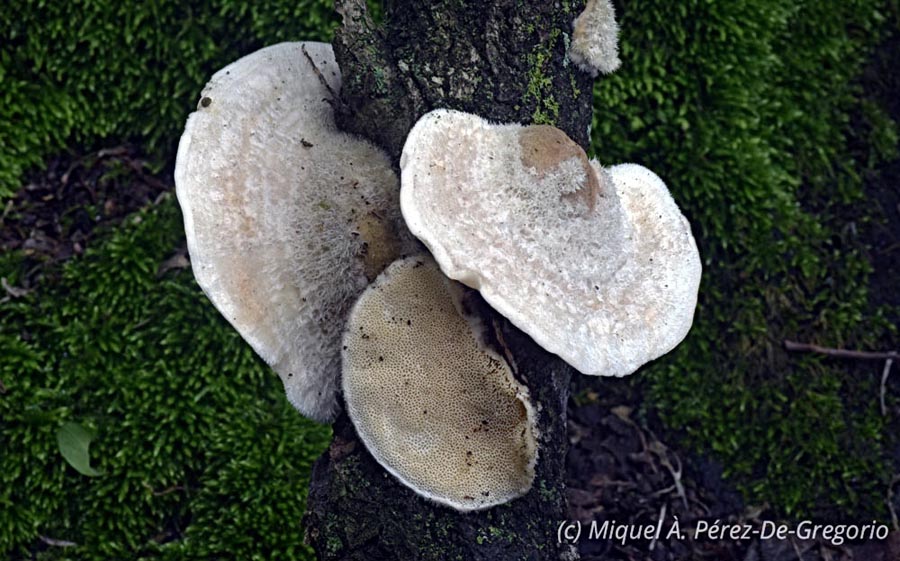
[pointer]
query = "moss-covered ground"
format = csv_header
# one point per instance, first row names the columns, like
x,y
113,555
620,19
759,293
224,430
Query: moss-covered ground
x,y
745,107
199,453
754,113
86,72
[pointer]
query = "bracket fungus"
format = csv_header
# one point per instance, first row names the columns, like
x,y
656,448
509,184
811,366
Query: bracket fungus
x,y
287,218
595,38
597,266
437,409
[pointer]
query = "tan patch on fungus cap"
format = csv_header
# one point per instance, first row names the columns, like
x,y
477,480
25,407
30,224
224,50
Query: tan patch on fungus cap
x,y
436,409
606,288
286,217
545,148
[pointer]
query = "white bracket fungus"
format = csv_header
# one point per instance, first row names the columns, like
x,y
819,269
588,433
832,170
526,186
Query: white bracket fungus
x,y
438,410
287,218
597,266
595,38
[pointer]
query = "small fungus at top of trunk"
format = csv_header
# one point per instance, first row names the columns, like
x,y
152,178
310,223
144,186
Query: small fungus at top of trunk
x,y
595,39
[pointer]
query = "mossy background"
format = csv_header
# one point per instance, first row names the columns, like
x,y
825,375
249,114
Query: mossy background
x,y
751,110
745,108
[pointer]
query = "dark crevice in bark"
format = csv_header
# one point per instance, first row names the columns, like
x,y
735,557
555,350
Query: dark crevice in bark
x,y
506,61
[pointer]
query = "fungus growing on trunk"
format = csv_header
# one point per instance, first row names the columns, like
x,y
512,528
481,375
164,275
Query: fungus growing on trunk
x,y
595,38
597,266
287,218
436,408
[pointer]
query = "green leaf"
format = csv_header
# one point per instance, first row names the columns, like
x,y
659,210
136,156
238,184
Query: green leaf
x,y
74,440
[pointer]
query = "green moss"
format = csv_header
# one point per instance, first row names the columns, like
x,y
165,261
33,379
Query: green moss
x,y
743,108
548,494
201,454
380,84
352,480
493,534
102,71
333,545
539,91
504,534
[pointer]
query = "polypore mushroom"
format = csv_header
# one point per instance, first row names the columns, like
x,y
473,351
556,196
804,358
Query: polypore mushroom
x,y
597,266
287,218
595,38
437,409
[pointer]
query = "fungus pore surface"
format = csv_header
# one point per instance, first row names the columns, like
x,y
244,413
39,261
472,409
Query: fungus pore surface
x,y
597,266
436,408
287,218
595,38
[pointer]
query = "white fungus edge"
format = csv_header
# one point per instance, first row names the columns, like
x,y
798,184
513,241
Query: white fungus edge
x,y
511,310
318,399
596,49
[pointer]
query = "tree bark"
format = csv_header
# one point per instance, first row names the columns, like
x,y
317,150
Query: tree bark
x,y
504,60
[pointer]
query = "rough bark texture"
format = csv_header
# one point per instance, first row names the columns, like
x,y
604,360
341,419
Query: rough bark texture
x,y
504,60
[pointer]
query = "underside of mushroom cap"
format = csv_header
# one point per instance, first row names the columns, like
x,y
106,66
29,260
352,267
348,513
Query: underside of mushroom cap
x,y
434,407
607,284
287,218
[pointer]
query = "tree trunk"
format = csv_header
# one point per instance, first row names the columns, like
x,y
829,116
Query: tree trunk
x,y
504,60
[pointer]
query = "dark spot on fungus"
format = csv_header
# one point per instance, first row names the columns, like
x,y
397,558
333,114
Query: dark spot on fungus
x,y
205,102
